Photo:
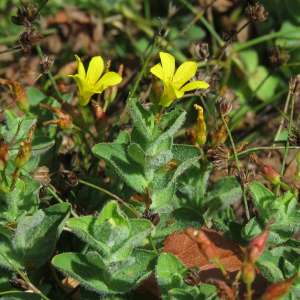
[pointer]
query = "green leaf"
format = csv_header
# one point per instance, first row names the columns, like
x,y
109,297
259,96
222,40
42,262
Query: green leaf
x,y
116,155
36,235
167,272
261,196
226,191
35,96
91,271
180,218
192,184
185,156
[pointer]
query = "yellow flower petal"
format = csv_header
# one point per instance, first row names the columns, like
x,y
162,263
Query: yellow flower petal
x,y
168,65
95,70
157,70
83,90
80,82
81,70
168,95
194,85
107,80
184,73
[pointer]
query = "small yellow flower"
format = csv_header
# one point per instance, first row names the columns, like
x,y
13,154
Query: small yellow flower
x,y
173,84
90,84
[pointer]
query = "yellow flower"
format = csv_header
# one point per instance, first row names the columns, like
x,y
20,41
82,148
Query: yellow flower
x,y
173,84
90,84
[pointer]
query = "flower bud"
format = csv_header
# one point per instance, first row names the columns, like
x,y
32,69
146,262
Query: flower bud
x,y
248,272
4,156
268,172
206,246
257,13
257,245
155,92
63,124
220,135
111,92
101,122
16,89
25,149
201,128
297,174
279,289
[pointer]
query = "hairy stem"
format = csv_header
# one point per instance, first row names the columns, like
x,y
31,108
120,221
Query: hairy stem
x,y
111,194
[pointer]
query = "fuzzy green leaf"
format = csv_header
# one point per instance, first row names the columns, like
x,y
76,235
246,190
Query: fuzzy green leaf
x,y
91,271
220,195
36,235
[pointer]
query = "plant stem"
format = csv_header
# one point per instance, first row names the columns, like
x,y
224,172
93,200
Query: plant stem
x,y
111,194
287,143
232,144
11,292
11,103
207,110
144,65
11,50
223,270
264,38
39,50
50,189
249,292
152,243
246,204
24,277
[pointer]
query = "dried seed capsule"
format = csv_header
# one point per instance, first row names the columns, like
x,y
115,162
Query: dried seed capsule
x,y
202,50
228,36
278,57
46,64
101,121
223,107
20,284
244,180
220,156
41,174
29,39
193,278
26,16
294,85
257,13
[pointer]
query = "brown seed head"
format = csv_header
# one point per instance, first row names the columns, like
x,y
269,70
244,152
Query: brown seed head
x,y
152,217
223,290
294,85
229,36
211,80
41,174
220,156
193,278
20,284
29,39
257,13
278,57
42,192
223,107
202,50
244,180
46,64
26,16
71,177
